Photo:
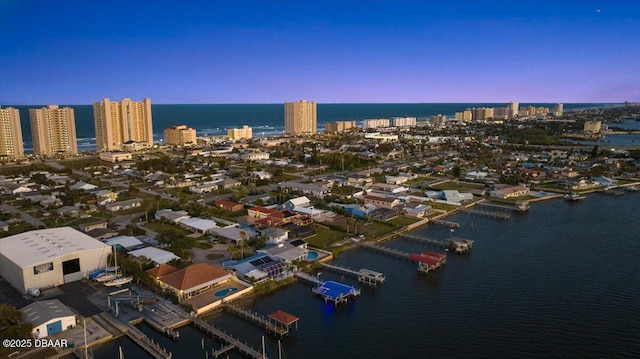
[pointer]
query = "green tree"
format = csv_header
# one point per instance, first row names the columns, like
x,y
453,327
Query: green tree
x,y
11,326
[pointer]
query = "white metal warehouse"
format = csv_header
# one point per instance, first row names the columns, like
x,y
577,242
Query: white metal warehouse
x,y
50,257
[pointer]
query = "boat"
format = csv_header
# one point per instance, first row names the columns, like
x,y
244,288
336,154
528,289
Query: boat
x,y
118,278
632,189
104,277
118,281
573,197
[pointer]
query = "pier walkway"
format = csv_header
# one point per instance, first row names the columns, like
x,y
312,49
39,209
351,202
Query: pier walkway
x,y
257,319
146,343
488,213
308,278
228,339
431,241
445,223
386,250
519,207
365,276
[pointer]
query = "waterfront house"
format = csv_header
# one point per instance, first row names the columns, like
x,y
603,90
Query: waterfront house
x,y
192,280
505,192
285,252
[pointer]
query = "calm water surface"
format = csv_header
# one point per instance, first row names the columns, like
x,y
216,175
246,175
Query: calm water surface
x,y
562,281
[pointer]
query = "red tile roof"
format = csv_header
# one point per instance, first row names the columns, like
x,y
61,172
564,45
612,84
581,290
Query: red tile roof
x,y
193,276
161,270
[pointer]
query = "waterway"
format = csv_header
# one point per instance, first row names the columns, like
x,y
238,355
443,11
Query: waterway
x,y
561,281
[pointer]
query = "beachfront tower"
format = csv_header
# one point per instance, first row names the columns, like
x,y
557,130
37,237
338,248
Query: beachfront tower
x,y
53,131
119,123
11,145
300,118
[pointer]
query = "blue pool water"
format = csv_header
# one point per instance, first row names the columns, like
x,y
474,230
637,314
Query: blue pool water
x,y
223,292
311,255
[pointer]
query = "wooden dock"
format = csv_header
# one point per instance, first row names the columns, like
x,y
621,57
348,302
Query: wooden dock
x,y
445,223
519,207
430,241
257,319
223,350
488,213
385,250
146,343
308,278
365,276
243,348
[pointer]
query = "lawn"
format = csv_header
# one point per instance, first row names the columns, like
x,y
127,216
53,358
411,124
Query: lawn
x,y
16,229
158,226
325,236
377,229
402,221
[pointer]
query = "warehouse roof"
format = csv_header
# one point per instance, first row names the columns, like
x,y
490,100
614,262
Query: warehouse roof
x,y
43,245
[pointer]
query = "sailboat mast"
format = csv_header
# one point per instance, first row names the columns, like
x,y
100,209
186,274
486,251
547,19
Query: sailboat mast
x,y
86,353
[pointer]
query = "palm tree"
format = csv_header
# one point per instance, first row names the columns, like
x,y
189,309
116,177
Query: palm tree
x,y
243,238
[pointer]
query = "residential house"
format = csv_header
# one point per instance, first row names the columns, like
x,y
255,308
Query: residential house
x,y
229,206
192,280
205,187
82,186
171,215
308,189
509,192
87,227
198,225
295,202
285,252
124,205
416,210
275,235
381,202
234,234
456,197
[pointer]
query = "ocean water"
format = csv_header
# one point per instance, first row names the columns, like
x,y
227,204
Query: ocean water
x,y
265,119
561,281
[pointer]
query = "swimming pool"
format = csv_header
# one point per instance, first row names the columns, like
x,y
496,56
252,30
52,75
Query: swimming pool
x,y
311,255
224,292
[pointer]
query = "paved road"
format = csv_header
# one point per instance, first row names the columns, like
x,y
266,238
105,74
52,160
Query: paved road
x,y
24,215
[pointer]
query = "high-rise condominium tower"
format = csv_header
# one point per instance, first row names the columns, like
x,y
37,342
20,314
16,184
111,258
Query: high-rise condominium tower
x,y
53,131
300,117
180,135
514,109
120,122
11,145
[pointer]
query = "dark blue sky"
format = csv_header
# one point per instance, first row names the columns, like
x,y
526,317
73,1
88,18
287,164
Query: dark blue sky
x,y
77,52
